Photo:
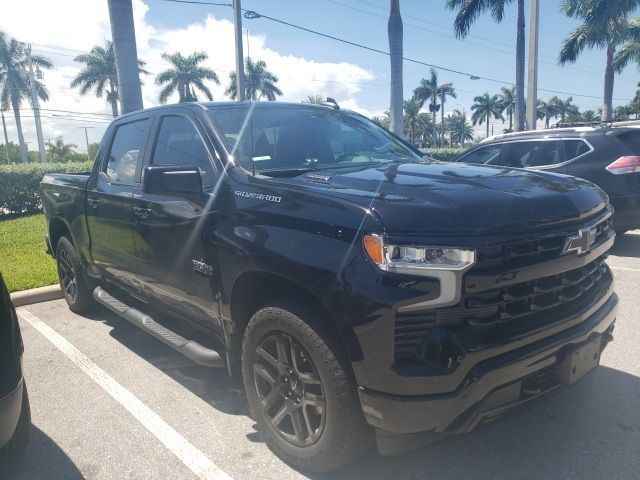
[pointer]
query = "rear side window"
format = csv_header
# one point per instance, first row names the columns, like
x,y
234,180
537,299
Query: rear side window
x,y
534,154
484,156
127,150
631,140
575,148
180,143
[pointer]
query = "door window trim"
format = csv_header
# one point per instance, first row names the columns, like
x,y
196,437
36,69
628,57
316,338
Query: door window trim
x,y
104,161
543,167
155,133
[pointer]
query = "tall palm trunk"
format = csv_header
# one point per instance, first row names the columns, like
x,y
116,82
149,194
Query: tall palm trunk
x,y
607,107
16,113
124,47
520,59
442,100
511,121
394,30
488,117
113,99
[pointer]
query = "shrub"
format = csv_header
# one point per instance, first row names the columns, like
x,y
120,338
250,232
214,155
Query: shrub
x,y
446,154
20,185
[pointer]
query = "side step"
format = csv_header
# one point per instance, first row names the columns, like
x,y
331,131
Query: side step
x,y
196,352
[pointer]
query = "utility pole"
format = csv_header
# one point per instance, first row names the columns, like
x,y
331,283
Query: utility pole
x,y
86,138
36,106
532,91
237,20
123,34
6,138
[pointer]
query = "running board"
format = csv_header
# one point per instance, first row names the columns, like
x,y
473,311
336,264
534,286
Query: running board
x,y
189,348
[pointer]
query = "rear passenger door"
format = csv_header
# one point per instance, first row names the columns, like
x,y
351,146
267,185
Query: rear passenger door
x,y
177,262
109,207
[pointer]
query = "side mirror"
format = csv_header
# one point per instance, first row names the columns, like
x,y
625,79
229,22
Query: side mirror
x,y
172,179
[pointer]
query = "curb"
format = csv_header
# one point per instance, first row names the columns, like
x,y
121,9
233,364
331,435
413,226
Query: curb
x,y
36,295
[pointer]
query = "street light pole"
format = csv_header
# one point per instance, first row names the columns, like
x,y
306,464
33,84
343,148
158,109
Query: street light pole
x,y
237,20
36,106
86,138
532,90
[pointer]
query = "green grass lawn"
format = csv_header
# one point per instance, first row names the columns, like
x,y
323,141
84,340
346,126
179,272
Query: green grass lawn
x,y
23,262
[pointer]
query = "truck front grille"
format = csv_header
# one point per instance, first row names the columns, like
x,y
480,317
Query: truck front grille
x,y
498,314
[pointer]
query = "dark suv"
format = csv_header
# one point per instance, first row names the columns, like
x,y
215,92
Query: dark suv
x,y
607,155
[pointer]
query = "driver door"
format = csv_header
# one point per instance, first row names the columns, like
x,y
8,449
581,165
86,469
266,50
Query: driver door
x,y
177,264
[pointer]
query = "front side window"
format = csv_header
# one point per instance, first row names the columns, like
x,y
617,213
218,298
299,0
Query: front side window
x,y
534,154
179,143
273,140
124,163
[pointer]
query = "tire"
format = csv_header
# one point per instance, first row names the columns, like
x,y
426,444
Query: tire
x,y
20,438
331,426
72,277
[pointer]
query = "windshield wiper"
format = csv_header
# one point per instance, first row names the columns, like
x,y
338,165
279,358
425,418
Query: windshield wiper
x,y
283,172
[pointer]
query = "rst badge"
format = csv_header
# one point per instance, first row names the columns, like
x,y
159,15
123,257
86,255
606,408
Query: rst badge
x,y
203,268
582,242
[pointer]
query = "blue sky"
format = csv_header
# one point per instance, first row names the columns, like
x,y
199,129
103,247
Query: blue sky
x,y
306,64
428,36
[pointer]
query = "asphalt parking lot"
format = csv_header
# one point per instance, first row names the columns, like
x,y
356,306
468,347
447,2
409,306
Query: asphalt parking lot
x,y
110,402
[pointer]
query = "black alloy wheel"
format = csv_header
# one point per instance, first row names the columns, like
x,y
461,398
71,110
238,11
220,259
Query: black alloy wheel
x,y
289,389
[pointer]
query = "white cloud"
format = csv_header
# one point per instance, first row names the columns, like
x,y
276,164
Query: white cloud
x,y
80,24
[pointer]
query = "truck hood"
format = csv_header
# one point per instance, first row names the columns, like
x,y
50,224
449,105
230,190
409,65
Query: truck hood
x,y
438,198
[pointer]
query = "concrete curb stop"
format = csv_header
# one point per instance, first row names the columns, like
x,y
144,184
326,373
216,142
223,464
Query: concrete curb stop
x,y
36,295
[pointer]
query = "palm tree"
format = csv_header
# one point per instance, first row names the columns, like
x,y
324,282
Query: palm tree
x,y
469,11
630,51
460,128
315,99
484,107
258,80
395,33
14,81
185,76
59,150
508,101
431,91
416,124
547,111
99,73
589,116
381,121
566,108
604,25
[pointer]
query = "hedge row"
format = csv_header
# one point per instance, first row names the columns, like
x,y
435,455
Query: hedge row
x,y
446,154
20,185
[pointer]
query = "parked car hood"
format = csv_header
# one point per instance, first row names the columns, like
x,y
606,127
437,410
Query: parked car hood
x,y
439,198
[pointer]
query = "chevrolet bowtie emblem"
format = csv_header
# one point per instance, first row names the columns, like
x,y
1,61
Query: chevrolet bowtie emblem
x,y
582,242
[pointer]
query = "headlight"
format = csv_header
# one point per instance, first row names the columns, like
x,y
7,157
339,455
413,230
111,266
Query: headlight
x,y
417,260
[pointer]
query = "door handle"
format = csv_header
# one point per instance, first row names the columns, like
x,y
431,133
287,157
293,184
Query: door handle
x,y
142,212
93,202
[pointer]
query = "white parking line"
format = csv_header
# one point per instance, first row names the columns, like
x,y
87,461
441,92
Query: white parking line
x,y
193,458
625,269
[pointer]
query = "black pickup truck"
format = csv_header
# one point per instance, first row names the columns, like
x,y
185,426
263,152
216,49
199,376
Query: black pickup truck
x,y
355,285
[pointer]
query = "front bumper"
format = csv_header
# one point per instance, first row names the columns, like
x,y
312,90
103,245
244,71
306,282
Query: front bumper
x,y
10,410
492,386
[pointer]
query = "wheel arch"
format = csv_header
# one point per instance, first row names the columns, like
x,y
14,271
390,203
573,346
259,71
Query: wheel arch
x,y
58,228
253,290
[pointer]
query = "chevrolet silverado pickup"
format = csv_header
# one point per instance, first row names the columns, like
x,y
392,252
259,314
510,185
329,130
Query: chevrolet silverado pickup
x,y
361,290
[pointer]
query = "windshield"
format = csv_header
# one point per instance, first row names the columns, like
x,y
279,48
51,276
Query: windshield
x,y
276,139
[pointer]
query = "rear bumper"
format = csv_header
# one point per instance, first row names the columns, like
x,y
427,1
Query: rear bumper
x,y
627,212
10,410
492,386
